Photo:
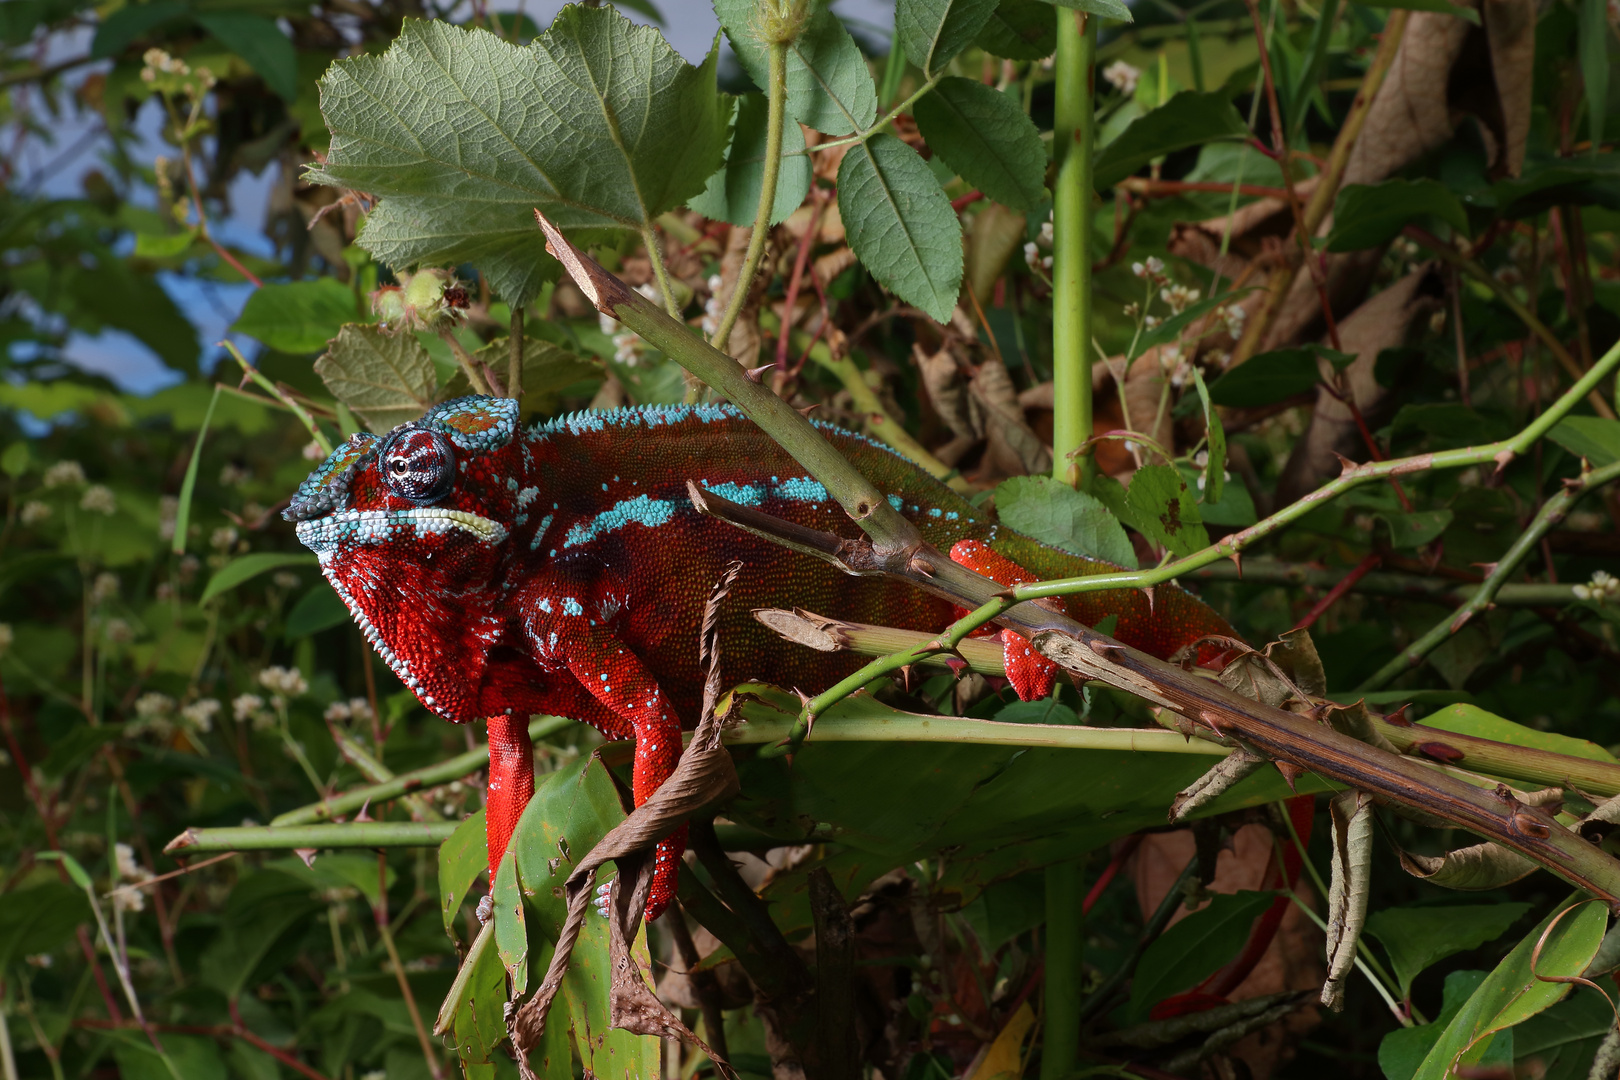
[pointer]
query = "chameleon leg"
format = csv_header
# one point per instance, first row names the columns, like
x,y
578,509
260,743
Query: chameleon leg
x,y
511,783
564,635
1030,673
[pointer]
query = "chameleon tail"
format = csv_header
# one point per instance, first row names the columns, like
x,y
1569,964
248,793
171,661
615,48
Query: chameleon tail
x,y
1030,673
511,783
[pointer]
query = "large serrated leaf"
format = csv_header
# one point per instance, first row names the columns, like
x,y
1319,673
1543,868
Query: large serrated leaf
x,y
732,193
984,135
1055,513
900,224
934,31
829,87
598,123
387,380
1163,508
1188,119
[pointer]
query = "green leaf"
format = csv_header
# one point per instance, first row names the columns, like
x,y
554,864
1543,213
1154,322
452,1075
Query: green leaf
x,y
1444,7
1403,1050
1591,437
1472,720
461,859
732,193
261,43
39,920
985,136
118,31
1564,1038
480,1022
386,379
14,462
597,123
1170,329
934,31
1371,215
165,245
299,316
1417,937
1020,30
75,871
1163,509
1195,948
1188,119
1512,992
1268,378
1578,181
829,87
1417,528
1215,467
1108,9
246,567
317,610
900,224
1057,514
511,931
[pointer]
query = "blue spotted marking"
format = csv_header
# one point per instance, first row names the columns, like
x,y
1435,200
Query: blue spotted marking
x,y
527,496
802,489
641,510
545,605
896,502
572,606
540,533
742,494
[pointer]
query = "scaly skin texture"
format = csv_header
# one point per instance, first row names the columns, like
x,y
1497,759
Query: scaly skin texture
x,y
562,570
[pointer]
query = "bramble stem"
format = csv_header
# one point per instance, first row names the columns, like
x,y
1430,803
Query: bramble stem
x,y
1072,202
777,107
1551,513
354,834
649,238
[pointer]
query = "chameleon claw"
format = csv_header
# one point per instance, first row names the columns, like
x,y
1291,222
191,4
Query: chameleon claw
x,y
486,909
604,895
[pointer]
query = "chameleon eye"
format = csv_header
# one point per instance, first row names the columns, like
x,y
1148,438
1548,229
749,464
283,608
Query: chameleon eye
x,y
420,466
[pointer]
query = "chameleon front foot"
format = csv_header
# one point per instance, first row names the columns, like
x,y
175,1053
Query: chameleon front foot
x,y
1031,674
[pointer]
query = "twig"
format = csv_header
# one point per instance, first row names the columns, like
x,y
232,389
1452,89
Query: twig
x,y
1338,590
353,834
469,366
1551,513
379,914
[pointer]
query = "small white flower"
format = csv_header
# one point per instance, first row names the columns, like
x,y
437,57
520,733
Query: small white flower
x,y
168,511
1045,236
34,512
285,579
246,706
312,451
1122,76
360,708
1032,254
337,712
128,868
104,588
223,538
99,499
39,960
200,713
153,704
233,475
64,473
288,682
128,898
1603,588
118,632
607,324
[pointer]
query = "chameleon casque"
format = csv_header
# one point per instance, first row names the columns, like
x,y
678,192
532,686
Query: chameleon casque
x,y
562,570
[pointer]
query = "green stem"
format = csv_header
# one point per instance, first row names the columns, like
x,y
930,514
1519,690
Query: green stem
x,y
1064,977
274,391
378,773
1408,586
1072,201
1497,453
354,834
777,107
886,727
649,238
1551,513
442,773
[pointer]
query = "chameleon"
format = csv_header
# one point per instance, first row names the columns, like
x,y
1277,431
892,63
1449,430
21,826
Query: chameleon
x,y
561,569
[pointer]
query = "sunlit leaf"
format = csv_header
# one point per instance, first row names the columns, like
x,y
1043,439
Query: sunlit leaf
x,y
900,224
386,379
1057,514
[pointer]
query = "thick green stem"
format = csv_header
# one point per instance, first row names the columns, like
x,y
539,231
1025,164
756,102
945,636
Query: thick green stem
x,y
649,237
442,773
1065,948
1551,513
1074,135
776,96
355,834
1408,586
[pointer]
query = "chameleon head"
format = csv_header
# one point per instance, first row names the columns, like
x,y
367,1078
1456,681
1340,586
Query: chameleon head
x,y
410,528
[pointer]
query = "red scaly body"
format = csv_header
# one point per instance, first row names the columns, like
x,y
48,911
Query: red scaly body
x,y
562,570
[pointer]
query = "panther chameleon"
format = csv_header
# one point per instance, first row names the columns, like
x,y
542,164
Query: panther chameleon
x,y
503,572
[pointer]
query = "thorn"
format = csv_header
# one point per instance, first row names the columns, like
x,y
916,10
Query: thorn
x,y
1346,466
308,855
1503,460
1441,752
362,815
905,677
920,565
1107,650
1398,717
1290,773
1149,592
755,373
808,408
1237,561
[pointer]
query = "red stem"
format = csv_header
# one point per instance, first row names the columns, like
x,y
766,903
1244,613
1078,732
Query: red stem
x,y
1344,586
806,242
961,202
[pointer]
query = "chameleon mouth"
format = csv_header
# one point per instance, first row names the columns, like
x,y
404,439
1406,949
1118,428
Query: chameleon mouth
x,y
325,535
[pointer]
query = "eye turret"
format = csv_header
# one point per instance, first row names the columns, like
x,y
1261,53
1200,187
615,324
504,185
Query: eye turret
x,y
419,465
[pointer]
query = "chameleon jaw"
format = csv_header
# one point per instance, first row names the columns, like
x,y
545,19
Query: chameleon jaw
x,y
324,535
